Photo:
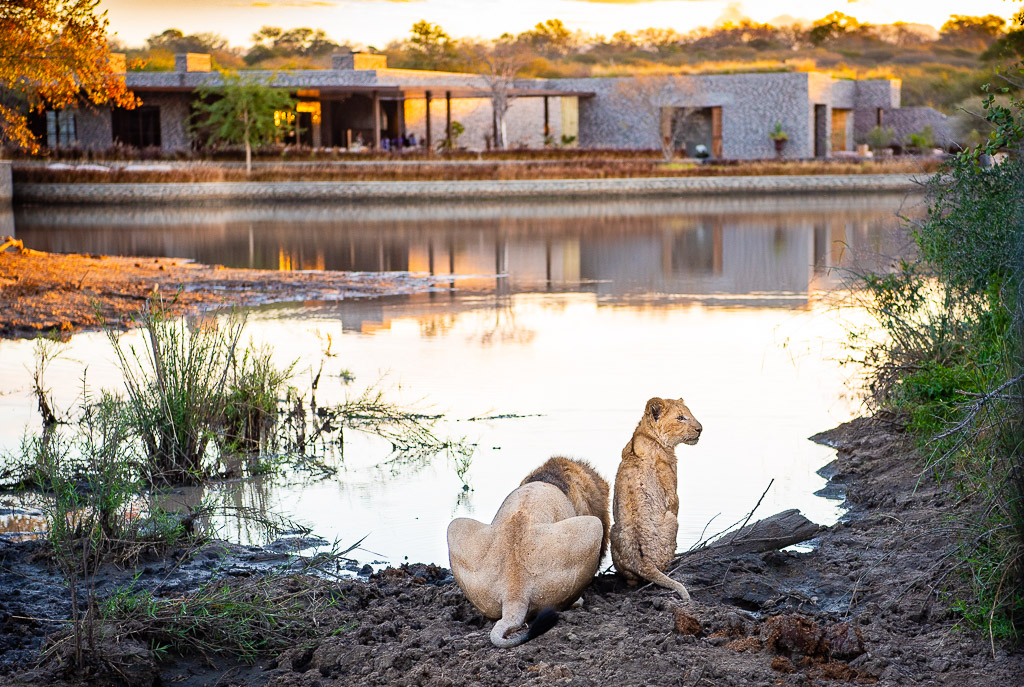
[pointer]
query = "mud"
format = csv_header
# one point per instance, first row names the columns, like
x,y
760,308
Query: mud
x,y
868,605
44,292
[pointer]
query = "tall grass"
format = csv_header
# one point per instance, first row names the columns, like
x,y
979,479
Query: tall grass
x,y
176,386
254,391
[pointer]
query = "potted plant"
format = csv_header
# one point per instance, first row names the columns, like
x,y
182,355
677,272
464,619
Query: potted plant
x,y
779,137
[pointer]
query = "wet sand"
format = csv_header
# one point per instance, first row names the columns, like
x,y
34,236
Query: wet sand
x,y
62,293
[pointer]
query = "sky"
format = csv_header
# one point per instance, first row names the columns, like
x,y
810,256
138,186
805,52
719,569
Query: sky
x,y
376,22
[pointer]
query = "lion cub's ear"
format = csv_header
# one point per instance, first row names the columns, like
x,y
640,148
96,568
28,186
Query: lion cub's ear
x,y
655,407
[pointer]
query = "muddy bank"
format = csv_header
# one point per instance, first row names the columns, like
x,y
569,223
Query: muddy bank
x,y
866,606
42,292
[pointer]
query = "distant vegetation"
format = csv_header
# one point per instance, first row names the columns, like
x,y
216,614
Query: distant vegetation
x,y
939,68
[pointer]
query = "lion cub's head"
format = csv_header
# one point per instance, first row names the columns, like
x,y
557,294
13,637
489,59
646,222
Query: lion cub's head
x,y
671,422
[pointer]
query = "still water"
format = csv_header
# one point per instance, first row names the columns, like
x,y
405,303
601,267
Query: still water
x,y
549,327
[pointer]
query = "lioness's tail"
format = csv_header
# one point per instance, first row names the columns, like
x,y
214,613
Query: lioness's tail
x,y
512,618
662,580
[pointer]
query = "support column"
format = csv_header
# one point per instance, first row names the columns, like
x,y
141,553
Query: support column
x,y
547,121
448,115
430,142
376,120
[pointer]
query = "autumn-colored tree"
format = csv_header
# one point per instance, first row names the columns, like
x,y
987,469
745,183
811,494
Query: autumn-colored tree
x,y
53,54
244,110
832,26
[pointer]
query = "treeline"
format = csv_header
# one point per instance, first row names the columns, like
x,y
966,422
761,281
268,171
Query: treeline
x,y
941,68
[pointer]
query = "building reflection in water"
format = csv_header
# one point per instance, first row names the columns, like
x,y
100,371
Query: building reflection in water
x,y
765,250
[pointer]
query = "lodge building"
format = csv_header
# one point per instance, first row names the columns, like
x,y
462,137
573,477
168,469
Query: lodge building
x,y
360,102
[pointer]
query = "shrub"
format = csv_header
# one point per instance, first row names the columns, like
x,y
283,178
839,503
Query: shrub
x,y
879,138
952,360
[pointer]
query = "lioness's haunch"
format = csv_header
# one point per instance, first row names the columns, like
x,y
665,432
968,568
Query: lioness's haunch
x,y
538,554
646,505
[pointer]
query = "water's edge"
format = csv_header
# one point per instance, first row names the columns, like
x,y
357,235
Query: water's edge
x,y
128,194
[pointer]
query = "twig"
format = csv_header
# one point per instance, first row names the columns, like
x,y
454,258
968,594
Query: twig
x,y
751,513
975,408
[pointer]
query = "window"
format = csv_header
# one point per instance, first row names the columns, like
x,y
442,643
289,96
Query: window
x,y
60,128
139,128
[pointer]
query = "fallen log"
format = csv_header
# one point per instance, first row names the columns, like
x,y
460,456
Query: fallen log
x,y
774,532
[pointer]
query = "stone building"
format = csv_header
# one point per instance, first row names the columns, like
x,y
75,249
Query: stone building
x,y
362,102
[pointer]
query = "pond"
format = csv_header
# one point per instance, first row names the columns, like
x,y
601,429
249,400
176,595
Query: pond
x,y
549,327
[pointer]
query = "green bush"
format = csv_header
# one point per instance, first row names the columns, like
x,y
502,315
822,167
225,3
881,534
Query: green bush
x,y
879,138
951,362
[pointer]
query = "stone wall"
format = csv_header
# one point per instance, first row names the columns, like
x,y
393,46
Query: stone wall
x,y
912,120
94,131
559,189
625,112
174,113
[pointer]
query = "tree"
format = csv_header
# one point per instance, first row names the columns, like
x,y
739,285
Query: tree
x,y
273,41
53,54
1008,47
832,26
243,111
972,33
173,40
550,37
498,66
431,47
666,103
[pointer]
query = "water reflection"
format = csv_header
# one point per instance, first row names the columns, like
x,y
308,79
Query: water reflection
x,y
780,247
568,316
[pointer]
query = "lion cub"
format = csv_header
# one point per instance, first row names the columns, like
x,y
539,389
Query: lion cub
x,y
646,504
540,552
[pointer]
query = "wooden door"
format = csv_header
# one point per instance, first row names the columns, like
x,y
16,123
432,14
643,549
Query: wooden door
x,y
716,132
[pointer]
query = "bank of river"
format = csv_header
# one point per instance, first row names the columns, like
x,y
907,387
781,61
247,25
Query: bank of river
x,y
448,191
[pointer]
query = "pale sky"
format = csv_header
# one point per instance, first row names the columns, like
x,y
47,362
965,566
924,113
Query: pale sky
x,y
375,22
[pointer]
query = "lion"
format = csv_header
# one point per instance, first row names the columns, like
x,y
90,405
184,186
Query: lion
x,y
646,505
538,554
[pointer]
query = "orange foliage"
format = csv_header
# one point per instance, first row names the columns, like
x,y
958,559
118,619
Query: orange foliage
x,y
53,54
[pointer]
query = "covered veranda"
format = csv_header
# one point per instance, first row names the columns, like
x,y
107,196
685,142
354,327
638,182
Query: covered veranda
x,y
354,116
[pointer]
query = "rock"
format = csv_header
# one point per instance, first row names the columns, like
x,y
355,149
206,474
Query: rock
x,y
842,641
791,634
686,624
782,664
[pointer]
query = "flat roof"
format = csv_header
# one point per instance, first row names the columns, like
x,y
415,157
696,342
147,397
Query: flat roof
x,y
387,83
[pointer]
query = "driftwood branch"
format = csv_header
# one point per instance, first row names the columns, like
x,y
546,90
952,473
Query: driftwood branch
x,y
775,532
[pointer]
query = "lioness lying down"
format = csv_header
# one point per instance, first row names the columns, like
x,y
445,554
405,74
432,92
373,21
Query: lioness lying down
x,y
540,552
646,504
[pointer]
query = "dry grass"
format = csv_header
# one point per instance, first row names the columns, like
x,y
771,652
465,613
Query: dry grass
x,y
582,167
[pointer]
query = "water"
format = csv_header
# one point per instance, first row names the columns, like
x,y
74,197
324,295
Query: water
x,y
565,316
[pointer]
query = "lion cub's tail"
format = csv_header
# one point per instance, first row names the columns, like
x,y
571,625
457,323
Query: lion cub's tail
x,y
512,619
